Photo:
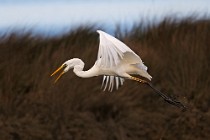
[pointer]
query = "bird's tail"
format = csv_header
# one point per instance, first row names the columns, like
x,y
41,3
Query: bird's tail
x,y
145,74
142,71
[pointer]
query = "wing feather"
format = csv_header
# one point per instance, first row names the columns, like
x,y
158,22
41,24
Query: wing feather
x,y
104,79
111,52
111,80
111,83
117,82
107,80
121,81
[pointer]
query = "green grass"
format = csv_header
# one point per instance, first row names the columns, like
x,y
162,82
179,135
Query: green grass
x,y
32,107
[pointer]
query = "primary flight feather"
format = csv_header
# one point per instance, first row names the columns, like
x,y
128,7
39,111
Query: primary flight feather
x,y
116,62
119,60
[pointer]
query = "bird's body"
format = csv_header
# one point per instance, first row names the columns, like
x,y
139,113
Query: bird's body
x,y
121,70
116,62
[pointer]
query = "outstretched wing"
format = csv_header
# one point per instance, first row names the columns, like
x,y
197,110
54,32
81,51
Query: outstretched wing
x,y
111,52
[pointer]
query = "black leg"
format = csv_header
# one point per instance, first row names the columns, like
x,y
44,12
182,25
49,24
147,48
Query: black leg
x,y
165,97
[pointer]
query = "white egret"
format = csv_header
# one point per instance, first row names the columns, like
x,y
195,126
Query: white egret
x,y
115,62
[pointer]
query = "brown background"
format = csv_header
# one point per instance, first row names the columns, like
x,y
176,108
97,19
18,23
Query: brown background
x,y
32,107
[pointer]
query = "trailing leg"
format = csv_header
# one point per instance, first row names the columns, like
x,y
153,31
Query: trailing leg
x,y
165,97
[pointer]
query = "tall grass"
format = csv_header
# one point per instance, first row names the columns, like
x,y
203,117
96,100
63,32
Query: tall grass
x,y
32,107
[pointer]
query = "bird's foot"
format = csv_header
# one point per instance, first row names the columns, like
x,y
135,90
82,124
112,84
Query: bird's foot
x,y
175,102
165,97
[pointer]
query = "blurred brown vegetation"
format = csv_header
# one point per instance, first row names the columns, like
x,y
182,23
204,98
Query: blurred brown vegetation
x,y
32,107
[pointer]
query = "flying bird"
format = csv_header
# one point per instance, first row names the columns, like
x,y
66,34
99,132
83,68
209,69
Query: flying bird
x,y
116,62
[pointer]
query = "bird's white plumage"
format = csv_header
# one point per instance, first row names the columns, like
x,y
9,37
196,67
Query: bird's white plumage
x,y
115,62
109,81
111,51
110,54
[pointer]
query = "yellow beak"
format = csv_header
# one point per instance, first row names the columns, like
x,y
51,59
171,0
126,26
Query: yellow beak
x,y
56,71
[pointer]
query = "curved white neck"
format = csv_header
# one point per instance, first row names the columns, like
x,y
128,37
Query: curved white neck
x,y
78,70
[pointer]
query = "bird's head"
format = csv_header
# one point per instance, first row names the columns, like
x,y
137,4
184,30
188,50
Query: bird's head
x,y
64,67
